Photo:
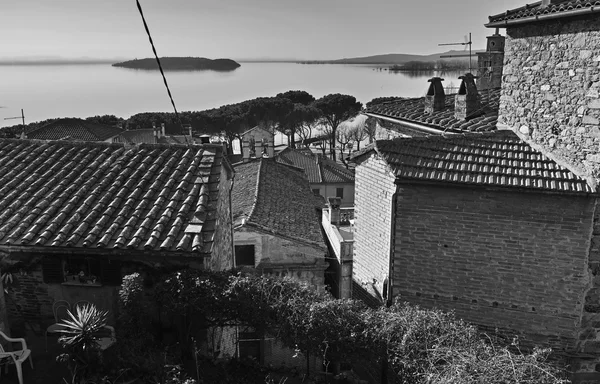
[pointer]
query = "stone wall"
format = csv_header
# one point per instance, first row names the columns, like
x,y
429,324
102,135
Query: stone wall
x,y
372,222
551,89
222,254
508,260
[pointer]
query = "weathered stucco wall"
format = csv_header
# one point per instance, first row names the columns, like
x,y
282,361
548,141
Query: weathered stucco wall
x,y
551,89
282,257
372,222
507,260
330,190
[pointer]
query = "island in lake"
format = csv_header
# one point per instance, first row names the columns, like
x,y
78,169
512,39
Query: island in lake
x,y
181,64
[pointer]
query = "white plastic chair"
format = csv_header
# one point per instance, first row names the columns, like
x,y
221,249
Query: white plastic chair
x,y
16,357
59,309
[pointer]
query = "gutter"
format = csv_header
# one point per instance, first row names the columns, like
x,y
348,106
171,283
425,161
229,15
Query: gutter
x,y
549,16
390,299
411,125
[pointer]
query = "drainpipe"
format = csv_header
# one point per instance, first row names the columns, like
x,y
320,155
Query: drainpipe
x,y
390,299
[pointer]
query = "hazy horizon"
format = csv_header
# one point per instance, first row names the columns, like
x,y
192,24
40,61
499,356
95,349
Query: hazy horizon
x,y
240,29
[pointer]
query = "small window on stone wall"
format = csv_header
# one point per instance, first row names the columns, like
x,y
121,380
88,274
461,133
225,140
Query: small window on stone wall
x,y
339,192
244,255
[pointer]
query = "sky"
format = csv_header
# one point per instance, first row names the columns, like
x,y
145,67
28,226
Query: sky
x,y
241,29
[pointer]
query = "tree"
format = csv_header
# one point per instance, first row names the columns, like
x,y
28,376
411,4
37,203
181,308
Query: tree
x,y
301,116
267,112
345,137
111,120
371,129
336,108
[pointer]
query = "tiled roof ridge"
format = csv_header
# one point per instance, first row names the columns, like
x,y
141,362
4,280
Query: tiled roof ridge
x,y
256,188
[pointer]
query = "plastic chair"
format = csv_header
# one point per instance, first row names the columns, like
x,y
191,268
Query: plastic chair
x,y
15,357
59,309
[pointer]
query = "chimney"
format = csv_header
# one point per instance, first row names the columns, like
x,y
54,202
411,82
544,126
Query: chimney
x,y
547,3
162,130
190,131
334,210
467,102
205,139
490,63
154,131
436,98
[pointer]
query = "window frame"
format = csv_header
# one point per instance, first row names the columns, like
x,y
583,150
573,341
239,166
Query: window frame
x,y
245,263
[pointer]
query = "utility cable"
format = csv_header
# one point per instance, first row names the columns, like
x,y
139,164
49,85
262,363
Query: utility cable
x,y
159,65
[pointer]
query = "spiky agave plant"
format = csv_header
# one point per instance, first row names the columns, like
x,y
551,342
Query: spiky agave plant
x,y
81,330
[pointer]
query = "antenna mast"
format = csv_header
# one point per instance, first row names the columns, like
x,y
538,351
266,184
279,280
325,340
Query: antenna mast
x,y
469,43
22,117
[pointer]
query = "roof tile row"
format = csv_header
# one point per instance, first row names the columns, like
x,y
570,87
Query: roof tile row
x,y
64,194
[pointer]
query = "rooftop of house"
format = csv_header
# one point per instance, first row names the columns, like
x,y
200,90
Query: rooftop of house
x,y
150,136
495,159
538,12
108,197
413,111
317,168
75,130
276,198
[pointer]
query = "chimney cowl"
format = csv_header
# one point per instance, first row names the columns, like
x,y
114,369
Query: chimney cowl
x,y
547,3
435,100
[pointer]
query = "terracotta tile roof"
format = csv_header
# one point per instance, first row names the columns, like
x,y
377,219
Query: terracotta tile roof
x,y
74,129
534,12
413,111
499,159
317,169
108,196
276,198
136,136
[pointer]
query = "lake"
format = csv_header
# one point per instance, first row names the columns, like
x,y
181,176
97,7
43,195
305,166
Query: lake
x,y
48,91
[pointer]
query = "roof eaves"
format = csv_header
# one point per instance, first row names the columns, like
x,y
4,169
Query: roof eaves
x,y
530,19
274,232
415,125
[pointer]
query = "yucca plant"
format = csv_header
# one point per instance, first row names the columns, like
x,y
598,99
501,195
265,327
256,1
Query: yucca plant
x,y
82,328
80,341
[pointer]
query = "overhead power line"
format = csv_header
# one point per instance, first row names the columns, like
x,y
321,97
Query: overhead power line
x,y
158,61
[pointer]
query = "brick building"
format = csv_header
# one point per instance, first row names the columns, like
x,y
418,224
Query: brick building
x,y
480,223
77,216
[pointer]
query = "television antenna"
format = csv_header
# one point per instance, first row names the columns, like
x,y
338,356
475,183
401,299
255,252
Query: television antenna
x,y
22,117
467,42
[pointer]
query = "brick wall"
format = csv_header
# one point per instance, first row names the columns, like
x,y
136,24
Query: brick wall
x,y
373,212
516,261
222,256
551,89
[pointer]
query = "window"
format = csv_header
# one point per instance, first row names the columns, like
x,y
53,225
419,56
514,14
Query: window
x,y
81,270
249,345
244,255
316,192
339,192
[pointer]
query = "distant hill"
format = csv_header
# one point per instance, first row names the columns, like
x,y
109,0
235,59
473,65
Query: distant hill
x,y
181,64
401,58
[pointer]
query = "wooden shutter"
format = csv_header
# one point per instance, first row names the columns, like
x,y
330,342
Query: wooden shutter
x,y
52,269
111,272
